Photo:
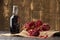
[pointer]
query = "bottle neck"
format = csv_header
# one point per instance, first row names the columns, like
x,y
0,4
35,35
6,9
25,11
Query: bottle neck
x,y
15,10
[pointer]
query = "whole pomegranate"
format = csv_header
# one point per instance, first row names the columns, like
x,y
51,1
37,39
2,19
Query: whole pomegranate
x,y
38,23
29,25
45,27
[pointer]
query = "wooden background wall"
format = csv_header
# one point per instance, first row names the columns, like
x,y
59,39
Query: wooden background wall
x,y
46,10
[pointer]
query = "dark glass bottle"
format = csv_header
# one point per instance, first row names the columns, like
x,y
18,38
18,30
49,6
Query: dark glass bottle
x,y
14,21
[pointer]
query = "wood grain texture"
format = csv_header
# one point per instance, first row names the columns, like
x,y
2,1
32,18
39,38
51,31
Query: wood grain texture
x,y
46,10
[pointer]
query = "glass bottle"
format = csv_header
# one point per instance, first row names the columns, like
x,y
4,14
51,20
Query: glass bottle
x,y
14,21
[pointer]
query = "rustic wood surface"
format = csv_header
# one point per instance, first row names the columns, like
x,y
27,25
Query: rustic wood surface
x,y
46,10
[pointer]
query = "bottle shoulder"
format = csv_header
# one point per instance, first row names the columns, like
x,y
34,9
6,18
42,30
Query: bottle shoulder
x,y
12,17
